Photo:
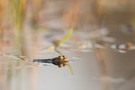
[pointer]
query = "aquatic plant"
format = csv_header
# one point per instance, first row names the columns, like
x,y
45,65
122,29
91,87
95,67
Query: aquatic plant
x,y
18,12
62,42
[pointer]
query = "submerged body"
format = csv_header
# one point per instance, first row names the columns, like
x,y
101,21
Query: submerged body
x,y
44,60
60,61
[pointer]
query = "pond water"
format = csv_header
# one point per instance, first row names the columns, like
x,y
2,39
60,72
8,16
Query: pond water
x,y
97,63
20,75
100,50
17,74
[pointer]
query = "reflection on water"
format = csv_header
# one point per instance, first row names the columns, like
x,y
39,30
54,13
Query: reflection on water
x,y
97,63
100,50
20,75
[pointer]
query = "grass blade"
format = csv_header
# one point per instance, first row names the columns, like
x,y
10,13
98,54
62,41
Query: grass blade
x,y
67,36
70,68
63,41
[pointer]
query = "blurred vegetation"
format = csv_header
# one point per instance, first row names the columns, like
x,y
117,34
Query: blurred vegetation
x,y
21,20
18,17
